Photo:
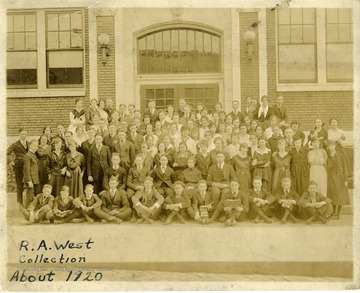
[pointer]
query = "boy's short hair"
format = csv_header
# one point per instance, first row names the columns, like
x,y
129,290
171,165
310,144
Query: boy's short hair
x,y
47,186
202,181
87,186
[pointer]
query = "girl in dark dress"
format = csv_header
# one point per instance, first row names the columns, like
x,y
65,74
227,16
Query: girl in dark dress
x,y
241,163
261,164
299,167
337,179
75,166
57,168
43,154
181,160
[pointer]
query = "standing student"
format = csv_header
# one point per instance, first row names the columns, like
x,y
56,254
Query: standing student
x,y
43,154
115,171
163,177
84,149
203,159
235,113
299,166
31,172
125,149
261,163
338,135
135,138
91,112
19,148
317,159
281,161
337,179
77,116
191,175
181,160
220,175
280,111
57,168
242,164
98,161
322,134
136,177
75,166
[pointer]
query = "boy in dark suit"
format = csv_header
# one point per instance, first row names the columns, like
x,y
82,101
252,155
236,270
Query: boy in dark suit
x,y
112,138
31,172
89,206
315,206
85,148
261,201
287,201
234,204
115,171
41,205
135,138
136,177
220,175
19,148
125,149
163,177
115,202
176,205
98,161
203,204
147,203
152,112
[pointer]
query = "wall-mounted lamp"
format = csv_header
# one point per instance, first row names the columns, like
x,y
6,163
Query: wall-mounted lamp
x,y
104,40
249,37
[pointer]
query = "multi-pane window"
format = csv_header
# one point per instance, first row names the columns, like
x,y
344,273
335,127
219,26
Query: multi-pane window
x,y
297,45
315,46
64,43
45,49
182,50
21,50
339,45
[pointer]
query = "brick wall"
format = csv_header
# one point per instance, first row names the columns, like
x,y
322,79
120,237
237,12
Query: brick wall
x,y
36,113
249,70
106,73
306,106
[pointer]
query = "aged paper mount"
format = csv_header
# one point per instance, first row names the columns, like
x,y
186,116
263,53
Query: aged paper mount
x,y
143,258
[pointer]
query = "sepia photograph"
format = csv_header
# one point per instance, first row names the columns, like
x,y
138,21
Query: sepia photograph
x,y
179,145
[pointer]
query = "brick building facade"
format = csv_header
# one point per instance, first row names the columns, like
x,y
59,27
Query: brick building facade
x,y
223,73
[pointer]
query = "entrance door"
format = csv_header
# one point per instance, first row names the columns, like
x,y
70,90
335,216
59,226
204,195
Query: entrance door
x,y
164,95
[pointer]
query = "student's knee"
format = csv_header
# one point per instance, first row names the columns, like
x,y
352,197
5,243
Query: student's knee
x,y
49,215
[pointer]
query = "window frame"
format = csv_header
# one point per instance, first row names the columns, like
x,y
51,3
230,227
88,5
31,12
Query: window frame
x,y
42,89
173,26
23,86
322,84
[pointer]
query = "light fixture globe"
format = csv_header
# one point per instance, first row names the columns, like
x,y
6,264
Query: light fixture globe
x,y
249,35
104,39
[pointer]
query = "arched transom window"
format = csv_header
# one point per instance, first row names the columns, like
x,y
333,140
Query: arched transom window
x,y
179,51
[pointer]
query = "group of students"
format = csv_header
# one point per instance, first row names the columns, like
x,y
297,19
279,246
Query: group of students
x,y
192,164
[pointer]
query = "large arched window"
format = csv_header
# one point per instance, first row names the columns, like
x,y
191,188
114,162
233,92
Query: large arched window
x,y
179,50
